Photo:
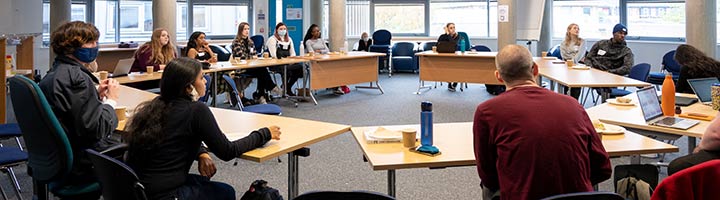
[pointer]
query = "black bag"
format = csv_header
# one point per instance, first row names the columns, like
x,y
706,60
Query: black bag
x,y
260,191
495,89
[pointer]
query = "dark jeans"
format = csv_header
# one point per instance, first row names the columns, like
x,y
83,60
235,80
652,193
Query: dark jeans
x,y
265,82
687,161
574,92
200,187
294,72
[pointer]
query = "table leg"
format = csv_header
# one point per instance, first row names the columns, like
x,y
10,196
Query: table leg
x,y
604,94
422,85
292,175
691,144
635,159
372,87
214,89
391,182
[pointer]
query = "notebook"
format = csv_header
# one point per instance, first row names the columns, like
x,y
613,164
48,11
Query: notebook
x,y
701,87
122,67
650,106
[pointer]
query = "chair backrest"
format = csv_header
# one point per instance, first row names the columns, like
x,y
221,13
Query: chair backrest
x,y
259,41
555,52
229,48
586,196
403,49
234,94
354,195
670,64
222,53
208,80
464,37
481,48
50,156
427,46
645,172
640,72
118,181
381,37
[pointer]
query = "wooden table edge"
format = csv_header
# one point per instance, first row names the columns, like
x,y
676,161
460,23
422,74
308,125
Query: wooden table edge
x,y
296,147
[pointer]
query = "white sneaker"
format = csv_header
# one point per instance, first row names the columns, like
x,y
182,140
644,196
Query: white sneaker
x,y
277,91
261,100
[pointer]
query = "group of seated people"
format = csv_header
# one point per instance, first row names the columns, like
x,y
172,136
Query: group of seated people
x,y
514,160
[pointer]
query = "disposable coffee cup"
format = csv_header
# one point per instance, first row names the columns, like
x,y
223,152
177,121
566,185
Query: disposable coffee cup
x,y
150,69
120,112
543,54
569,63
266,55
408,137
715,96
103,75
162,67
434,49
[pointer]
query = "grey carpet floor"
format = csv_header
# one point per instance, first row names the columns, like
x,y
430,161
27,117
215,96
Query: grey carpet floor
x,y
337,164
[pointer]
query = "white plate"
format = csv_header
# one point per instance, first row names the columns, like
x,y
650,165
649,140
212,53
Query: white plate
x,y
615,102
611,129
581,67
384,134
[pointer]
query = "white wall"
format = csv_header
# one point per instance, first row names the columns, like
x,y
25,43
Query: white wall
x,y
23,16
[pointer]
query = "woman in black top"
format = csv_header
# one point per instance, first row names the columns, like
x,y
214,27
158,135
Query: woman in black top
x,y
695,64
450,36
198,48
365,42
166,133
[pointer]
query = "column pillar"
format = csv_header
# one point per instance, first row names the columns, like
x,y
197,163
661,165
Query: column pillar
x,y
59,14
164,16
700,27
545,41
507,31
337,24
316,10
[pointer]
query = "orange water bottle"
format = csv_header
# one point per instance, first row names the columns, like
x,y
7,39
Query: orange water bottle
x,y
668,95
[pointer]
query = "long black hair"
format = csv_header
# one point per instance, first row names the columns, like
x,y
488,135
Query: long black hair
x,y
308,33
146,127
697,63
191,44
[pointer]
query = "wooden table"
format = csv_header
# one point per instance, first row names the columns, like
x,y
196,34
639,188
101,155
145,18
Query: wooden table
x,y
632,117
456,145
470,67
578,78
336,70
296,133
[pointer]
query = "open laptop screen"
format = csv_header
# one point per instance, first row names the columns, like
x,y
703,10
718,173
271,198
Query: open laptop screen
x,y
649,103
701,87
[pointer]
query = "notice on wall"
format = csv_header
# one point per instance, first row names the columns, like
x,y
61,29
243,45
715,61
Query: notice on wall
x,y
503,13
293,13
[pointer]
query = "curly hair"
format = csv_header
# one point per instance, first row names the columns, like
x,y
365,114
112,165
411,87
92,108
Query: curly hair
x,y
698,64
71,36
146,126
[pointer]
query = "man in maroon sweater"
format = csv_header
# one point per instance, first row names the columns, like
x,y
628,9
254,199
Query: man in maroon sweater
x,y
532,143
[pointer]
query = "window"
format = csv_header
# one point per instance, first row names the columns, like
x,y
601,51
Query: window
x,y
596,18
656,19
357,18
402,19
77,13
469,17
219,20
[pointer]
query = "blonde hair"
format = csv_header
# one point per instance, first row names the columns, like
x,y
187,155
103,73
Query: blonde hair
x,y
572,39
447,26
161,54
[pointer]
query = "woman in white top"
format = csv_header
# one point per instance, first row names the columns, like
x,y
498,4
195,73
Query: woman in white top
x,y
313,40
573,47
280,46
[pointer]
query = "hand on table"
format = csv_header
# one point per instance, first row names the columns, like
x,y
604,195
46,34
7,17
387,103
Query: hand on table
x,y
275,132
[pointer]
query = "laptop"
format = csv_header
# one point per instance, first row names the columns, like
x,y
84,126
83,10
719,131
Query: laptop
x,y
701,87
650,106
122,68
446,47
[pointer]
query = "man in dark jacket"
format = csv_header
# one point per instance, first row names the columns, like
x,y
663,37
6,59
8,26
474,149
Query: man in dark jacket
x,y
612,55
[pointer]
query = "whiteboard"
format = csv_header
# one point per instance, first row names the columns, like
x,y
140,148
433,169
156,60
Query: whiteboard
x,y
528,19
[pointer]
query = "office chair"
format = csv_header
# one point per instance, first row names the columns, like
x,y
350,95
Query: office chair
x,y
403,57
354,195
9,158
222,53
464,38
11,131
259,42
208,81
555,52
668,65
586,196
117,180
268,109
638,72
381,44
481,48
427,46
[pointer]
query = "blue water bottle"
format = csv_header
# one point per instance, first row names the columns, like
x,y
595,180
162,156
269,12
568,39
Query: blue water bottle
x,y
462,45
426,124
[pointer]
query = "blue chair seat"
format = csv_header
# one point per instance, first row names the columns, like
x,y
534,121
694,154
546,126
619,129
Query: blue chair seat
x,y
10,130
619,92
268,109
11,155
657,78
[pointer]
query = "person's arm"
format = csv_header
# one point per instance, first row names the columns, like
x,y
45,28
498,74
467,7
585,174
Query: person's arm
x,y
204,123
485,152
192,53
628,62
272,46
213,58
590,58
309,46
96,119
292,49
566,51
600,167
142,60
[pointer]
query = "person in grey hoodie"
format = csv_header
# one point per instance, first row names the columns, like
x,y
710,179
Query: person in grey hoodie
x,y
612,55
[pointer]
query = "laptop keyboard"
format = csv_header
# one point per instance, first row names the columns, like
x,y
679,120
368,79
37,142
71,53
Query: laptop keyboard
x,y
669,121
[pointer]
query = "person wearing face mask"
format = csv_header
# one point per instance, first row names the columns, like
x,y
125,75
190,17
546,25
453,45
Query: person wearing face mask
x,y
86,114
281,45
241,49
158,51
365,42
166,133
199,49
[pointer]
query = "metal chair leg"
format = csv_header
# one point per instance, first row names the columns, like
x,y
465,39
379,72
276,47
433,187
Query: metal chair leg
x,y
11,174
17,139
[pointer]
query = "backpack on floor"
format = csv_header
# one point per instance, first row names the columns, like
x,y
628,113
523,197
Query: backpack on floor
x,y
634,188
260,191
495,89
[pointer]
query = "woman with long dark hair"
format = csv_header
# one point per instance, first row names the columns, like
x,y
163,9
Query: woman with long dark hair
x,y
450,36
198,48
695,64
165,136
313,40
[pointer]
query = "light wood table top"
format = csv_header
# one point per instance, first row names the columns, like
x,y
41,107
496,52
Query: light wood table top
x,y
296,133
632,117
458,54
583,78
334,56
455,141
